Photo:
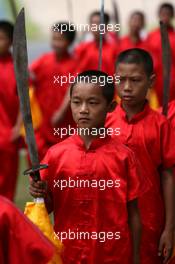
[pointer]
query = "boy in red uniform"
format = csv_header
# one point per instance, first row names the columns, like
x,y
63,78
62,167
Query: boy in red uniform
x,y
88,52
9,125
166,14
20,240
84,163
134,38
149,135
50,91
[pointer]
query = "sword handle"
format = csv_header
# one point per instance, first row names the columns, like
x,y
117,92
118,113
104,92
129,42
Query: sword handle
x,y
34,172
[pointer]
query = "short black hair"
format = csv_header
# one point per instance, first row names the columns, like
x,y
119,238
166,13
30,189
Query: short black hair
x,y
108,87
97,13
138,13
7,27
68,30
167,6
137,56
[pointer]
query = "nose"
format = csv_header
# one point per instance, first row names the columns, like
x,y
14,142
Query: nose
x,y
84,109
127,87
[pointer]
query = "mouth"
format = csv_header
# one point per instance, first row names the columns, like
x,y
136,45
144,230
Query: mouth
x,y
83,119
127,98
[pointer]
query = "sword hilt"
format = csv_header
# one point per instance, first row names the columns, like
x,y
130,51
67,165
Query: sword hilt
x,y
34,172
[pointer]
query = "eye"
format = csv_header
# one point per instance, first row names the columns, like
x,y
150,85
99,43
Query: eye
x,y
93,102
76,102
136,80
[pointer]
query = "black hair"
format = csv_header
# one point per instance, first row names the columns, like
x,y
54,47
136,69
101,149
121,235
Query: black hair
x,y
167,6
97,13
138,13
108,86
7,27
67,29
137,56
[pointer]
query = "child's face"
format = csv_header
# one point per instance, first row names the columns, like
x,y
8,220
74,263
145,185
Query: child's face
x,y
95,20
136,23
89,106
5,43
134,83
59,43
165,16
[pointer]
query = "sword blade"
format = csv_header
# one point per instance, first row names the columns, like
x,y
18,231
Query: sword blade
x,y
166,59
101,36
21,73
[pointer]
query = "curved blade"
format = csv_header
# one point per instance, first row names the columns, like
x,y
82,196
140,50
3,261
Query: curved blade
x,y
166,59
101,36
21,74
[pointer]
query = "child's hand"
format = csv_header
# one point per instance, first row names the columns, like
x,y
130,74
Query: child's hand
x,y
38,189
166,245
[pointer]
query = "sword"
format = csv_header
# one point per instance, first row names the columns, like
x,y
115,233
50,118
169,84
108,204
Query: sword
x,y
101,36
13,8
166,59
21,73
70,10
116,15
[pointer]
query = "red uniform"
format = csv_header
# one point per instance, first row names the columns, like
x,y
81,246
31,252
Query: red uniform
x,y
149,135
50,94
90,209
171,113
155,48
126,43
20,240
8,115
88,56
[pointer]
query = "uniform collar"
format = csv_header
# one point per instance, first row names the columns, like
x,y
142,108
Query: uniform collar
x,y
137,117
96,143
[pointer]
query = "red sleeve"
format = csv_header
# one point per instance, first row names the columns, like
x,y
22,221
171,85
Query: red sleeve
x,y
167,141
46,173
35,69
137,181
20,240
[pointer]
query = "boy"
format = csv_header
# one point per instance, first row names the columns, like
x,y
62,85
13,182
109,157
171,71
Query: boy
x,y
88,52
91,158
20,240
9,108
149,135
47,72
134,38
166,14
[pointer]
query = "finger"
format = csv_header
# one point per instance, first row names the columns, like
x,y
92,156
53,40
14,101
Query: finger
x,y
160,249
167,255
36,190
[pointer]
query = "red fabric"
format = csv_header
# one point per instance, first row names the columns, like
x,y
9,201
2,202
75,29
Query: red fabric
x,y
155,48
126,43
20,240
149,135
171,113
51,95
88,56
91,209
9,108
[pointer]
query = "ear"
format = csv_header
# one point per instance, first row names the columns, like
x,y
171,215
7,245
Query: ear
x,y
112,106
152,79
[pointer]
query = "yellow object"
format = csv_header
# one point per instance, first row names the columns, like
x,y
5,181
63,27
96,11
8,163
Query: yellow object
x,y
35,110
152,98
37,213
